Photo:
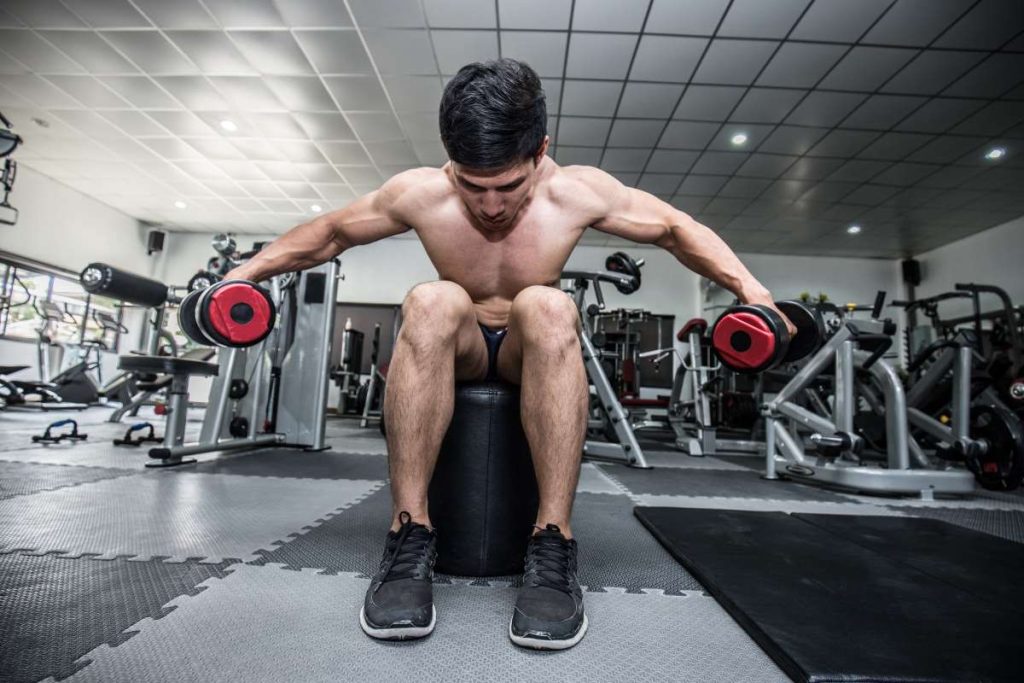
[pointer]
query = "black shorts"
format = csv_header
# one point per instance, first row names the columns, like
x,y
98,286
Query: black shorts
x,y
493,339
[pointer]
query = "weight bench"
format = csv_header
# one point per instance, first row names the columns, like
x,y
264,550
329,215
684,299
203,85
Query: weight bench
x,y
177,372
137,390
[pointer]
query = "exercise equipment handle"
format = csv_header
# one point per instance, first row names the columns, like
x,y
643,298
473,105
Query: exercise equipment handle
x,y
105,280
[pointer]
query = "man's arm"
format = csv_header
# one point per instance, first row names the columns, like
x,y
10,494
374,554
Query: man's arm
x,y
641,217
370,218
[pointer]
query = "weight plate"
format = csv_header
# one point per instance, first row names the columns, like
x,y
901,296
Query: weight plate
x,y
187,319
749,339
810,329
236,313
621,262
1001,467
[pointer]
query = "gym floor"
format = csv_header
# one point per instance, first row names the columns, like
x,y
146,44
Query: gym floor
x,y
255,564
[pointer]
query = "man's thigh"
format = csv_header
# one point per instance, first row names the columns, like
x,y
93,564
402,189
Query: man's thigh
x,y
510,355
471,358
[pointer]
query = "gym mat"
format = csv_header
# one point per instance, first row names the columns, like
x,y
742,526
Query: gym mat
x,y
54,610
722,483
1008,524
265,624
299,464
20,478
827,609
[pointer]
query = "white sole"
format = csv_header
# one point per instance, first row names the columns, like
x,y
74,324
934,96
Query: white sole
x,y
401,632
541,644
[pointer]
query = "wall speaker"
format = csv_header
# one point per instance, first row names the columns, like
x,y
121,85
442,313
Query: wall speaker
x,y
155,241
912,272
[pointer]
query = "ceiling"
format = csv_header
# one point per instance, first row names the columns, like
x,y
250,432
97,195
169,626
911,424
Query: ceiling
x,y
870,112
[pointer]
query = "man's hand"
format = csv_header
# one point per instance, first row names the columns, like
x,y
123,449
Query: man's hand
x,y
764,298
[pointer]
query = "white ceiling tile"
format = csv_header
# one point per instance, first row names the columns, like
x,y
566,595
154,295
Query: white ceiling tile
x,y
692,17
578,156
272,52
279,171
201,169
824,108
915,23
212,52
345,153
277,125
171,148
299,190
766,105
391,153
430,152
688,135
939,115
89,50
109,14
195,92
866,68
734,62
247,94
991,78
583,131
759,19
932,71
599,15
792,140
301,151
600,56
248,14
635,132
881,112
150,51
387,13
42,13
535,14
241,171
300,93
649,100
182,123
401,52
9,21
90,123
324,126
318,172
376,126
544,52
36,53
37,91
838,20
244,203
671,160
335,52
456,49
420,125
988,25
337,192
659,183
9,66
590,98
800,65
284,207
258,149
140,91
708,102
88,91
314,13
414,93
361,175
666,58
216,148
180,14
215,118
358,93
460,13
134,123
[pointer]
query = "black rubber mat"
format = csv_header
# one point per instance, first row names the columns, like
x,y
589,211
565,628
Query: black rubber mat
x,y
826,608
291,462
614,550
19,478
667,481
53,609
1008,524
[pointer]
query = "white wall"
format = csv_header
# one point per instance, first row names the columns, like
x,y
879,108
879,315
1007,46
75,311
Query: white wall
x,y
993,257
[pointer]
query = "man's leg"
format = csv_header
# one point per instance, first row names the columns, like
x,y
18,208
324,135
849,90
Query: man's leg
x,y
542,353
439,342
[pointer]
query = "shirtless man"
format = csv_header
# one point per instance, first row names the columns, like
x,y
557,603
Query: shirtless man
x,y
498,221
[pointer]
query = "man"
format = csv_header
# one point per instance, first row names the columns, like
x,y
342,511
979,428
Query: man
x,y
498,221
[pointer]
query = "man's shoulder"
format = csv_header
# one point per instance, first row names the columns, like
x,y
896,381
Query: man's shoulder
x,y
582,187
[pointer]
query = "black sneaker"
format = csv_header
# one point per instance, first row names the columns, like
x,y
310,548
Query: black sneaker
x,y
400,601
549,608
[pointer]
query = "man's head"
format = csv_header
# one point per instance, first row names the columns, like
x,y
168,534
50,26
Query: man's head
x,y
493,122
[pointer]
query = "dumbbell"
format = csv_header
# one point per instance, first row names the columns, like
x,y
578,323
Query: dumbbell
x,y
754,338
231,313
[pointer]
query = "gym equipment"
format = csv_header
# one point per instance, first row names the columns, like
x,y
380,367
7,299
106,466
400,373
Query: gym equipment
x,y
149,437
754,338
371,392
230,313
347,374
49,437
483,495
621,262
933,601
625,448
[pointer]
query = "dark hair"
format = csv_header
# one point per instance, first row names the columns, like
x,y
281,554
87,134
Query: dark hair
x,y
493,114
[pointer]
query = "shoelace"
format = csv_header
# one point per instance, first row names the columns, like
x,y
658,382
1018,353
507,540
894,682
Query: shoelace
x,y
548,561
407,552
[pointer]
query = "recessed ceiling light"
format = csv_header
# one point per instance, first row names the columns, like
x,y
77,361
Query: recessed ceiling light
x,y
739,139
229,125
995,153
853,230
316,208
180,204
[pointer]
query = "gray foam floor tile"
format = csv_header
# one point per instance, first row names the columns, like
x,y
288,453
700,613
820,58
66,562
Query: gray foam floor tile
x,y
1008,524
765,505
20,478
615,549
681,460
717,483
593,480
360,446
53,610
310,633
290,462
747,462
178,515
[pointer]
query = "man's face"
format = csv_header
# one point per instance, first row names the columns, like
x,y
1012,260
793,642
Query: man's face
x,y
496,196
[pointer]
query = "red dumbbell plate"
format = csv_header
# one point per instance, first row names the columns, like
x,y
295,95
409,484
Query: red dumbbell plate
x,y
239,313
745,341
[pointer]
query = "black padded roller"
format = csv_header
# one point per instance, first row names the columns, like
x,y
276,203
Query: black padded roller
x,y
99,278
483,495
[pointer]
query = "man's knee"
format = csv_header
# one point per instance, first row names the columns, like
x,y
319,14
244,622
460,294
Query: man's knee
x,y
547,313
434,311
